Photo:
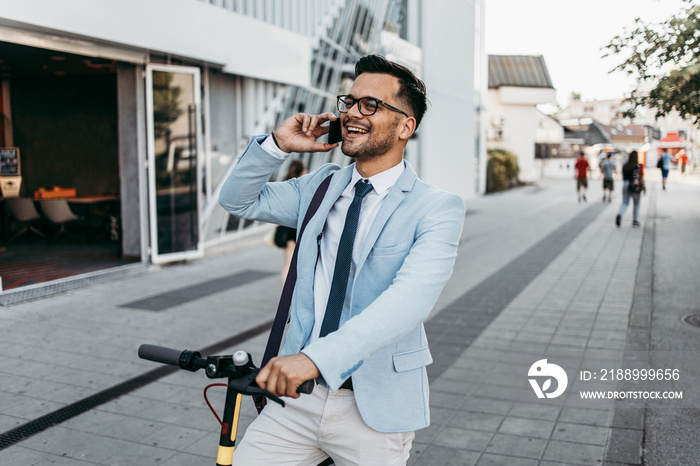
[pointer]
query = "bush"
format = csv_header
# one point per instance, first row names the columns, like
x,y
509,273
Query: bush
x,y
501,170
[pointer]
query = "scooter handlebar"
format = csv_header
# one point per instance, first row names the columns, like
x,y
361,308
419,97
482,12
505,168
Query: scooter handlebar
x,y
191,360
160,354
306,387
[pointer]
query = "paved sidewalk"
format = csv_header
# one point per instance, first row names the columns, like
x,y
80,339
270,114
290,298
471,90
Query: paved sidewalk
x,y
539,276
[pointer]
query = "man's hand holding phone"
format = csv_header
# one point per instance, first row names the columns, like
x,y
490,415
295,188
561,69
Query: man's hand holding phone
x,y
299,133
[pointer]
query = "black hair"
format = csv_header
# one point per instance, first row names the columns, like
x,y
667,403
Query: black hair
x,y
411,90
296,168
632,161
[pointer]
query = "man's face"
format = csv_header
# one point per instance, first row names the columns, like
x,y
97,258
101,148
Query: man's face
x,y
366,137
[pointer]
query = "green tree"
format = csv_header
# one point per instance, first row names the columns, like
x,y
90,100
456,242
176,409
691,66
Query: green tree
x,y
502,170
667,54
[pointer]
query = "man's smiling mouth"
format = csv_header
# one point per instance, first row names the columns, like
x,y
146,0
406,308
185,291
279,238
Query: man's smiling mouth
x,y
352,129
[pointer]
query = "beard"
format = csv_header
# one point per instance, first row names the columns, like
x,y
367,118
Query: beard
x,y
376,145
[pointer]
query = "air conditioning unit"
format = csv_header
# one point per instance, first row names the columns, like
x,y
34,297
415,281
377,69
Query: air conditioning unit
x,y
498,121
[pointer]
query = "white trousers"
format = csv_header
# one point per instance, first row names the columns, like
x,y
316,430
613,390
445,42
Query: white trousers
x,y
313,427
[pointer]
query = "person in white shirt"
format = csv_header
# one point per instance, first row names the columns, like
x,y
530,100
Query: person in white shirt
x,y
608,168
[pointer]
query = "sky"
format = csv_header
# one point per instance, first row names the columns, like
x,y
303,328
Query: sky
x,y
570,35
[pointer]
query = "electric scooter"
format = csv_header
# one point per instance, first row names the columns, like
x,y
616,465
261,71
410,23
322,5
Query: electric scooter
x,y
240,371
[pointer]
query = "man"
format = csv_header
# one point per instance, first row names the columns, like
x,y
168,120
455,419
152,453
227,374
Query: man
x,y
373,388
602,155
682,159
665,165
581,166
608,169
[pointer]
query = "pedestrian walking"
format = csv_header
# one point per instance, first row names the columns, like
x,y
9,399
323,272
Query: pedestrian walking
x,y
664,164
633,187
682,159
371,264
601,158
581,167
286,237
608,168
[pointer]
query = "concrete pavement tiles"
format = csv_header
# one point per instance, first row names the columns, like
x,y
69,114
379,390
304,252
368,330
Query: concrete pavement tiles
x,y
538,276
169,299
574,310
447,329
671,294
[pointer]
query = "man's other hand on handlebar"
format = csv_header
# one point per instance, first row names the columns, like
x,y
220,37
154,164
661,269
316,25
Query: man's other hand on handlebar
x,y
283,374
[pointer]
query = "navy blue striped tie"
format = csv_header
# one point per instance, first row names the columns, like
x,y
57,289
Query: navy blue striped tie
x,y
341,273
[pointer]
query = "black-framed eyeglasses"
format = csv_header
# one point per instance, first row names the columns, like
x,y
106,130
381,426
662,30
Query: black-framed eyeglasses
x,y
366,105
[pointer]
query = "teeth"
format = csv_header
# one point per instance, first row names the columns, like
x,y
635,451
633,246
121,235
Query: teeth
x,y
353,129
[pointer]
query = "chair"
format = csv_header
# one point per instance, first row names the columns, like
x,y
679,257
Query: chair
x,y
59,212
22,208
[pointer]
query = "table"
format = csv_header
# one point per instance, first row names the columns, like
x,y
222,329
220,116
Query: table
x,y
109,203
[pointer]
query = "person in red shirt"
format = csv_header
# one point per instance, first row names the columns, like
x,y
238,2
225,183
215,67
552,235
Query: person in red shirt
x,y
582,166
682,159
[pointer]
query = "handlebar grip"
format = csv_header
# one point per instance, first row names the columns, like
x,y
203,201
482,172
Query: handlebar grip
x,y
307,387
160,354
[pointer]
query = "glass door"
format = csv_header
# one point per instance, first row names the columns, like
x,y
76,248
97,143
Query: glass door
x,y
174,162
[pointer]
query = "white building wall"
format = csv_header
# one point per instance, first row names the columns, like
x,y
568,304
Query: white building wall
x,y
184,28
223,34
253,52
603,111
449,130
549,131
520,126
481,76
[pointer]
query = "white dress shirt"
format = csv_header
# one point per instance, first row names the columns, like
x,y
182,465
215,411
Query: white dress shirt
x,y
330,237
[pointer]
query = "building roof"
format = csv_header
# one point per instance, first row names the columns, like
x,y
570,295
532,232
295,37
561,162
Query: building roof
x,y
672,137
587,129
518,71
672,140
594,132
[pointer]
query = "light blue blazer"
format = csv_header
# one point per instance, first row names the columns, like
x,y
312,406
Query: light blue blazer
x,y
405,262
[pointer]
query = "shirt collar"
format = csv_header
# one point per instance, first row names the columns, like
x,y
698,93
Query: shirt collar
x,y
382,181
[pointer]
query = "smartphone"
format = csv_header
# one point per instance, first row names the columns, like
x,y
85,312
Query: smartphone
x,y
334,133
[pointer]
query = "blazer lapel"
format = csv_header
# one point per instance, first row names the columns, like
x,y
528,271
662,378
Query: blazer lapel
x,y
389,205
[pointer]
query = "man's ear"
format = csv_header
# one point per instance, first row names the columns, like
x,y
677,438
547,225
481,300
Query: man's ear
x,y
408,127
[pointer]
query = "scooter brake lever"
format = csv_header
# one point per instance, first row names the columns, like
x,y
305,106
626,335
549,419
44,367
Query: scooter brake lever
x,y
260,391
246,385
